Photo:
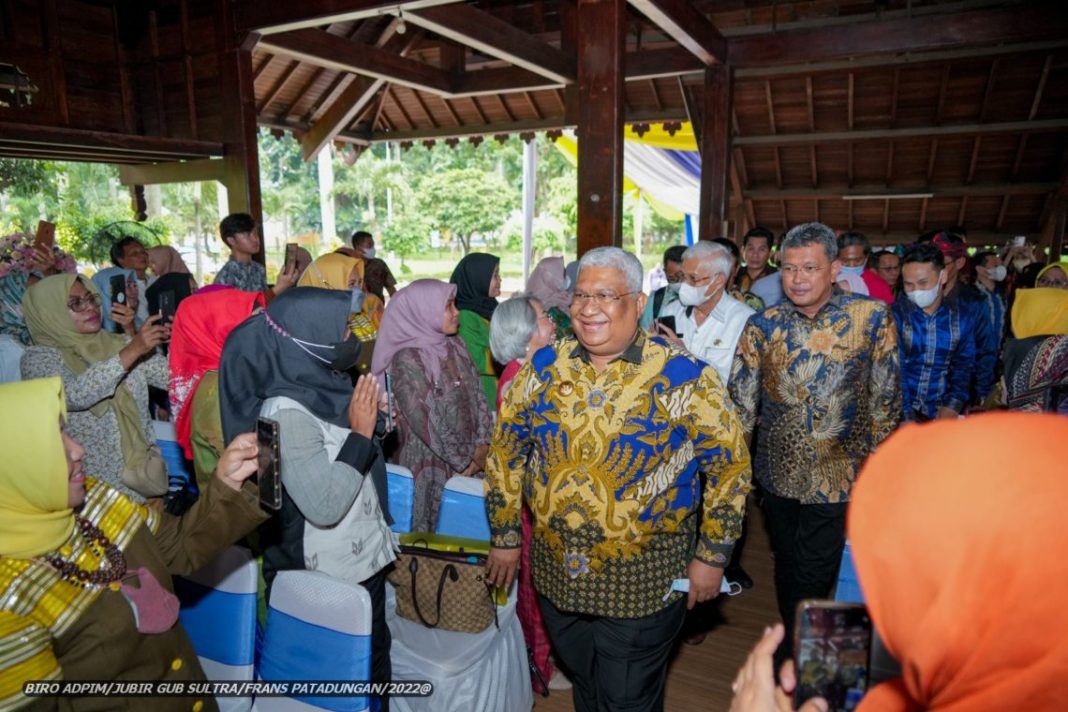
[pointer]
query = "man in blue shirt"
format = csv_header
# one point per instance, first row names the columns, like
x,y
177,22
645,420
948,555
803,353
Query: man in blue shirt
x,y
936,338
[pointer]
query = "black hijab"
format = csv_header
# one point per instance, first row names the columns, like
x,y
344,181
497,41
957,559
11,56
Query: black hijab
x,y
472,278
260,360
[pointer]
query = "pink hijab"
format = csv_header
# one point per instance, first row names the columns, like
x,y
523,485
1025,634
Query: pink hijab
x,y
548,284
413,320
167,259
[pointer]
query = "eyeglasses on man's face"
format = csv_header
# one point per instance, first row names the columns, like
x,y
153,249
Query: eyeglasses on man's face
x,y
80,304
602,299
807,270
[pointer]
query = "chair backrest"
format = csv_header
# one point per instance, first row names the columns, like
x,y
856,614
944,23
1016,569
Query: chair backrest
x,y
848,590
401,496
318,628
218,612
171,452
463,509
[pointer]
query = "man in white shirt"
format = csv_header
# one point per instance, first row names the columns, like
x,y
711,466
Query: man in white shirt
x,y
708,321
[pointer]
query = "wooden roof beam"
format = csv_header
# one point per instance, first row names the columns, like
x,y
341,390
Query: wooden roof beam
x,y
56,138
273,17
911,132
1031,21
879,191
685,24
327,50
482,31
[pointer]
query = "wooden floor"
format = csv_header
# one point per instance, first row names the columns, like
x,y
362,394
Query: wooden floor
x,y
700,676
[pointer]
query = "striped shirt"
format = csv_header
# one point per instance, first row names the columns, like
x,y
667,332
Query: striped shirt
x,y
938,356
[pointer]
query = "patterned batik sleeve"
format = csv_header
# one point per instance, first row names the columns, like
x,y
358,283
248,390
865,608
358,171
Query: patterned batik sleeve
x,y
885,384
25,654
417,403
508,455
724,458
83,390
745,376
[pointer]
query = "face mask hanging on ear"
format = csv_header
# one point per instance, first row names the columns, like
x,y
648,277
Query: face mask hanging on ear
x,y
344,355
358,298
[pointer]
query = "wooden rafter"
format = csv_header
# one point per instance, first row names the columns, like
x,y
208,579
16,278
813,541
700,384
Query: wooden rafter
x,y
278,86
486,33
878,189
424,109
681,21
777,139
275,17
1040,88
532,105
452,112
1001,212
478,109
400,107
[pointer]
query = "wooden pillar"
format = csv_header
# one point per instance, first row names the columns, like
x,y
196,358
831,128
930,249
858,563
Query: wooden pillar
x,y
240,154
601,26
715,150
1057,243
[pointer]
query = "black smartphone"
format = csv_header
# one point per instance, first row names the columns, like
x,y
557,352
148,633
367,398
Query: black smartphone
x,y
669,322
168,306
291,256
832,647
270,464
118,289
390,425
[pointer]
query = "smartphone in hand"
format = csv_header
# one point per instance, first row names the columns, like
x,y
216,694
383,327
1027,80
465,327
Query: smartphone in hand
x,y
291,257
168,306
832,647
46,235
118,289
270,463
390,425
669,322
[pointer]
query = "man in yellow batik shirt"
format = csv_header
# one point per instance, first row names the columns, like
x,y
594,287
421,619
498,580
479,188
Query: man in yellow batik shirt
x,y
605,438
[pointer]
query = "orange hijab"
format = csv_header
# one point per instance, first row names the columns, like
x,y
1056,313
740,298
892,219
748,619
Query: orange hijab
x,y
959,535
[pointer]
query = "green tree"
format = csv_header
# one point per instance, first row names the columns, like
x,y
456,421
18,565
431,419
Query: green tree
x,y
361,190
407,235
289,186
466,201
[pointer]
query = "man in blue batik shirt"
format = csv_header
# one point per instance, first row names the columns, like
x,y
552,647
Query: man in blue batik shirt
x,y
936,338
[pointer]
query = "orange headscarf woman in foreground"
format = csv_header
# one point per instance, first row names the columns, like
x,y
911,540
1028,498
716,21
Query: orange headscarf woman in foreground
x,y
960,552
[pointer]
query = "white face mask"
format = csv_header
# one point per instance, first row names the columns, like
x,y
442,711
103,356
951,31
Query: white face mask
x,y
997,273
692,296
924,298
1020,263
368,253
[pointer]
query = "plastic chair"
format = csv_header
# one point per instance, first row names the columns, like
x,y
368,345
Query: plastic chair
x,y
318,628
463,509
848,589
401,495
218,612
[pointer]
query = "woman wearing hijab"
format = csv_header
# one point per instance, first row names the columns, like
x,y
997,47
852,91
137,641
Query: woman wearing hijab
x,y
964,581
292,363
548,284
443,424
1053,276
342,272
85,573
478,284
1036,361
200,329
166,260
105,377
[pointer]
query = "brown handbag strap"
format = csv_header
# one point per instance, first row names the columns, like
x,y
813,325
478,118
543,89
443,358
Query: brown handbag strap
x,y
448,572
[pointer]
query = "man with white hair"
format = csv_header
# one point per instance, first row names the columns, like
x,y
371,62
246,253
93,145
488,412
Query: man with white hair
x,y
617,428
708,321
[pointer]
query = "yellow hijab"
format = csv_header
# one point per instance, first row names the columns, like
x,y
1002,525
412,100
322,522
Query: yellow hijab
x,y
331,271
34,515
46,312
1041,311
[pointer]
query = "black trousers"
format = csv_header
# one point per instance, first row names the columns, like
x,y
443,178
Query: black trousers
x,y
807,540
381,641
618,664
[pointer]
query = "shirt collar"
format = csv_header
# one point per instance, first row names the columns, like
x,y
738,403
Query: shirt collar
x,y
632,354
838,298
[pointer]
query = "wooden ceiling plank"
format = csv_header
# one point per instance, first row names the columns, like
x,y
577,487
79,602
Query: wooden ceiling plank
x,y
656,94
267,59
532,105
478,110
988,90
893,97
1018,161
889,163
327,50
812,166
504,107
452,112
129,110
942,93
809,104
486,33
499,80
849,165
879,190
426,111
356,97
852,223
683,22
960,213
311,82
464,131
190,85
849,101
153,38
52,137
315,111
559,96
922,226
278,86
886,215
931,159
400,107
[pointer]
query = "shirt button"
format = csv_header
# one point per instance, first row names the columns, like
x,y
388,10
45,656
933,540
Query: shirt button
x,y
198,705
176,664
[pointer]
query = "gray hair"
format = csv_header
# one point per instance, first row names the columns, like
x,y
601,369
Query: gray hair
x,y
513,323
614,258
813,233
718,258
